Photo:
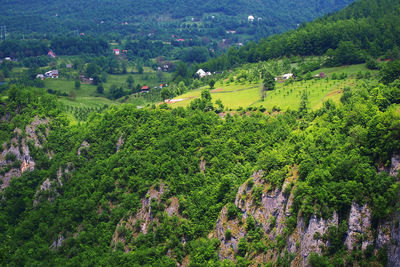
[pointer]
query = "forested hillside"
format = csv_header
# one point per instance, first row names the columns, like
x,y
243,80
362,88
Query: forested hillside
x,y
132,17
365,28
147,186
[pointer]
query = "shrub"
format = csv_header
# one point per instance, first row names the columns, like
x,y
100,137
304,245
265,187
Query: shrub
x,y
11,157
232,211
228,235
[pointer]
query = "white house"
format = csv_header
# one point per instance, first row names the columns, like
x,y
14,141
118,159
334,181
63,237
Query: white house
x,y
287,76
250,18
51,74
201,73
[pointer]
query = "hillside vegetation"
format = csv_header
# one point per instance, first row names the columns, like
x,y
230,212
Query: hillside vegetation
x,y
89,180
243,89
365,28
239,168
146,16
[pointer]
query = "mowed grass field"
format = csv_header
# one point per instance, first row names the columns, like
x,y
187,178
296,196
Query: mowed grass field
x,y
232,95
286,95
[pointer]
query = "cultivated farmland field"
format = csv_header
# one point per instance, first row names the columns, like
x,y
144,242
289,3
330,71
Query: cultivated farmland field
x,y
286,95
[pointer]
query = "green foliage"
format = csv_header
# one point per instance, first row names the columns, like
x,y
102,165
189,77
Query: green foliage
x,y
166,93
77,84
100,89
345,53
232,211
304,103
211,83
336,150
130,81
243,247
257,194
268,83
316,260
204,103
56,17
11,157
336,237
228,235
371,63
345,37
390,72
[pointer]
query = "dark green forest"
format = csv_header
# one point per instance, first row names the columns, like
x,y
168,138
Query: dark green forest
x,y
154,28
361,30
107,16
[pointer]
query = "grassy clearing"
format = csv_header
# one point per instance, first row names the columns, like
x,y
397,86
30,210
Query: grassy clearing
x,y
285,95
349,70
289,95
66,86
232,95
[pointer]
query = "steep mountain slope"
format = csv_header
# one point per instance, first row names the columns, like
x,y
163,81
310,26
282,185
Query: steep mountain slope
x,y
100,16
367,27
161,187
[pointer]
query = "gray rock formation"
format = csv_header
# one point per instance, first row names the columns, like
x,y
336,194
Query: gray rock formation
x,y
306,238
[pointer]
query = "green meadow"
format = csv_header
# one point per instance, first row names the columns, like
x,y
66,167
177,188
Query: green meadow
x,y
287,95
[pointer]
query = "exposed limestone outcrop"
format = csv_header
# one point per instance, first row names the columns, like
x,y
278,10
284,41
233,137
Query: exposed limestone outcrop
x,y
229,247
395,165
132,225
48,189
19,148
275,205
202,165
139,222
32,132
303,241
359,226
120,142
270,214
58,242
84,145
173,208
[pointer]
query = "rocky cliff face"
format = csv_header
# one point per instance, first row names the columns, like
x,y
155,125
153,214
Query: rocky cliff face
x,y
145,218
15,158
275,206
389,231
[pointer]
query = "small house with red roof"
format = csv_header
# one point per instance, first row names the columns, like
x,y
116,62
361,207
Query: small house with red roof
x,y
145,89
116,52
51,54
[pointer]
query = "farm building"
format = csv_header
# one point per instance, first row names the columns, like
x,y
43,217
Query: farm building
x,y
51,74
51,54
288,76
